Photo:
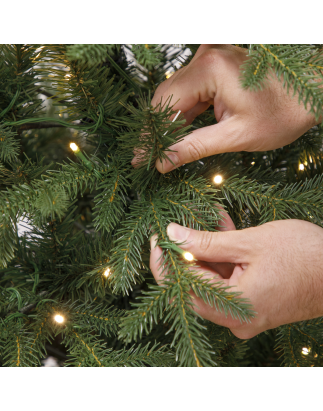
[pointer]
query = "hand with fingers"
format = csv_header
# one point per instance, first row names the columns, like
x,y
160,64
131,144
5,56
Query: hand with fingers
x,y
278,265
246,120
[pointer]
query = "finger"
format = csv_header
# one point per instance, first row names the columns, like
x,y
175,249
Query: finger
x,y
224,269
198,109
185,74
226,224
227,246
204,309
156,254
212,313
163,87
138,157
224,137
192,84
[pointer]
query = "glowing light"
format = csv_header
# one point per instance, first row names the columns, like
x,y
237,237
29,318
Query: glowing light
x,y
218,179
59,318
253,163
60,114
301,167
306,351
107,272
169,74
74,147
188,256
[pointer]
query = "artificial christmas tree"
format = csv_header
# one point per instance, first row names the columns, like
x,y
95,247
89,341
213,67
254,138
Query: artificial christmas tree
x,y
78,278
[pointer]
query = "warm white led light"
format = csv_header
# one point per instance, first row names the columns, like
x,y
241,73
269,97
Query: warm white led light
x,y
218,179
169,74
301,167
73,146
107,272
253,163
305,350
59,318
188,256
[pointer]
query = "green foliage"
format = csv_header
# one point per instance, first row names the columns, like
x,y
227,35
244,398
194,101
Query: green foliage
x,y
228,349
303,200
126,261
85,255
150,133
9,146
111,201
92,54
299,67
300,344
148,55
18,89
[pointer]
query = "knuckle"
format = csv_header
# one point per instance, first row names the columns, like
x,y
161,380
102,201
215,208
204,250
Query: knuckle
x,y
158,94
208,57
205,241
196,149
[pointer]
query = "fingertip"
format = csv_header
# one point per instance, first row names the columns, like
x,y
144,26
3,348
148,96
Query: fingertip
x,y
168,164
159,166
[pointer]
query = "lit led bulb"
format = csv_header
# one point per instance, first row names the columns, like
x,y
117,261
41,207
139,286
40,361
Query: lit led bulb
x,y
74,147
253,163
59,318
301,167
188,256
218,179
107,272
169,74
305,350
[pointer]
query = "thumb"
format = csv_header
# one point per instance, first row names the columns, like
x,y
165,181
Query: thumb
x,y
224,137
226,246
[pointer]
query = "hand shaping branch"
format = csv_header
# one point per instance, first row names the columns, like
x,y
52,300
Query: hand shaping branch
x,y
247,120
277,266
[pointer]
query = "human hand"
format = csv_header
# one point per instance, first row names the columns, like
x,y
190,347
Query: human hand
x,y
247,120
278,267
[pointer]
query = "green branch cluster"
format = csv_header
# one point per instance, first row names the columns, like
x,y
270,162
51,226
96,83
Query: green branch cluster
x,y
86,253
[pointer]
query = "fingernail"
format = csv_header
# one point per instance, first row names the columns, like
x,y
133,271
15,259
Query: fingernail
x,y
177,233
167,165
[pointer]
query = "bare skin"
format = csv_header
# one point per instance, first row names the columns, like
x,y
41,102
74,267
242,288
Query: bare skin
x,y
247,121
279,265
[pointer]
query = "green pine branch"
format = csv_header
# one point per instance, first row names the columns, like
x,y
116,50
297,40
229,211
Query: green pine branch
x,y
300,200
126,262
91,54
299,67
